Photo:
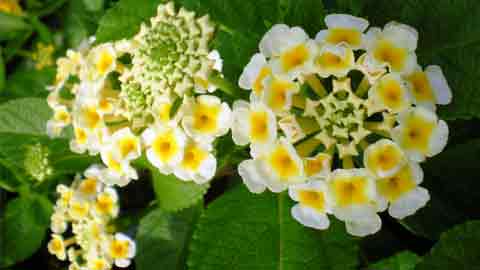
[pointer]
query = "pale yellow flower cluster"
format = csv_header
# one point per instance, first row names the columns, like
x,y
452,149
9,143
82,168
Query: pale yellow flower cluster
x,y
148,94
11,7
340,151
80,225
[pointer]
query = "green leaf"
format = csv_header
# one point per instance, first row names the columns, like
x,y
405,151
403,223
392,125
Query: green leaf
x,y
2,71
11,25
80,23
306,13
241,230
405,260
449,36
23,227
24,116
123,20
457,249
174,194
28,82
94,5
8,180
452,179
163,238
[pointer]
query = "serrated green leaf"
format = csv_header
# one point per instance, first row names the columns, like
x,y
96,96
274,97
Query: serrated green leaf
x,y
163,238
174,194
23,227
241,230
24,116
27,82
452,180
124,19
457,249
405,260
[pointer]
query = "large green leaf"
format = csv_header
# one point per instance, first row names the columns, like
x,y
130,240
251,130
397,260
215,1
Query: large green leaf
x,y
28,82
457,249
405,260
241,230
174,194
163,238
124,19
23,227
452,179
11,25
24,116
80,23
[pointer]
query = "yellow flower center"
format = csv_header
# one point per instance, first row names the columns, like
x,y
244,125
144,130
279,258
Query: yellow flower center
x,y
417,133
91,116
257,84
259,126
294,57
119,249
205,118
104,204
392,94
165,146
88,186
113,164
283,163
313,199
104,62
350,191
164,112
127,146
279,91
385,51
316,165
394,187
80,136
193,158
384,158
350,36
56,245
422,90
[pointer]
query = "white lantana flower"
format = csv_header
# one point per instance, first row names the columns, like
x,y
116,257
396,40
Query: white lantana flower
x,y
318,167
61,119
198,163
253,123
56,246
313,204
125,145
384,158
334,60
206,117
429,87
278,93
354,196
402,192
290,49
389,93
276,167
254,73
107,203
393,47
420,134
118,172
121,249
343,29
165,147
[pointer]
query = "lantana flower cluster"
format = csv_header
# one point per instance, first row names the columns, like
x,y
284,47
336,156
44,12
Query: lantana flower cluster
x,y
81,225
149,94
351,152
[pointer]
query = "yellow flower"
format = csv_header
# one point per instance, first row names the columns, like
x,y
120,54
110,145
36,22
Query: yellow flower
x,y
343,29
43,56
11,7
56,247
